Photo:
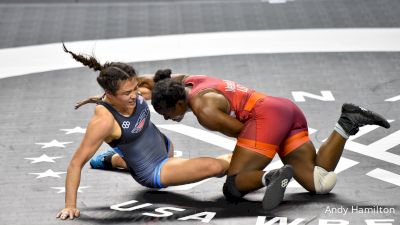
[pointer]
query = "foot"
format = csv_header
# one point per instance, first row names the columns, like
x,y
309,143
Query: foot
x,y
353,117
277,182
97,162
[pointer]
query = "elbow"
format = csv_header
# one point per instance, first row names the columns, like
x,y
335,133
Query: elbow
x,y
232,134
235,134
76,165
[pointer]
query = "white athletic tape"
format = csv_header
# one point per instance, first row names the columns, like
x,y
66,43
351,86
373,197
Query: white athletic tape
x,y
324,181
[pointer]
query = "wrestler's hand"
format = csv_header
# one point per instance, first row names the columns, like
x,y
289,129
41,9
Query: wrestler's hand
x,y
68,213
94,99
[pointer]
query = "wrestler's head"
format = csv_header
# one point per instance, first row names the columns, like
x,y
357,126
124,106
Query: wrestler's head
x,y
125,93
118,80
169,96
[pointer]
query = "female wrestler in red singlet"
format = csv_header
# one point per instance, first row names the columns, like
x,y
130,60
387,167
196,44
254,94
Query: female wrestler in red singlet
x,y
263,125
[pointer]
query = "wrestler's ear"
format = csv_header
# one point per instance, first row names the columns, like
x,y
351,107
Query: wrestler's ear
x,y
108,94
180,104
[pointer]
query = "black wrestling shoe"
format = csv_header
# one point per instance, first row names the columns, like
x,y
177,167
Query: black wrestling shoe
x,y
277,182
353,117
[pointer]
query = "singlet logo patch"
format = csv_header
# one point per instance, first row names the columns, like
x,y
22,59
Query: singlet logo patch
x,y
230,86
141,121
233,87
125,124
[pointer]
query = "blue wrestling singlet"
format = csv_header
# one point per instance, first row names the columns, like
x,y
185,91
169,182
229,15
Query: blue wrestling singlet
x,y
143,147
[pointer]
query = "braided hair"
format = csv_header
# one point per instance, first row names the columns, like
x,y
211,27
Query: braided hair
x,y
111,73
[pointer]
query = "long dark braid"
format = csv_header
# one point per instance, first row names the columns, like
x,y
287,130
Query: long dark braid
x,y
109,78
88,61
111,74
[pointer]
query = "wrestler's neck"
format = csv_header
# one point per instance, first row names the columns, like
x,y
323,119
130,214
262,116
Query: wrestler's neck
x,y
123,109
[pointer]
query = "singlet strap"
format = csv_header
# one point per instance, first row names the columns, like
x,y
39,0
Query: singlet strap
x,y
108,106
254,97
114,112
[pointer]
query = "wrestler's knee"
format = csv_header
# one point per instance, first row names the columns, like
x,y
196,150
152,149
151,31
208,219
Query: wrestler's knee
x,y
324,181
215,168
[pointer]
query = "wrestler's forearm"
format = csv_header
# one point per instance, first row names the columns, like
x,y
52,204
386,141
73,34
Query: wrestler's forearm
x,y
71,185
146,81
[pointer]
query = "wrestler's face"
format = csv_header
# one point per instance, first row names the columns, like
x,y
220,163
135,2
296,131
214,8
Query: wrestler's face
x,y
175,113
126,95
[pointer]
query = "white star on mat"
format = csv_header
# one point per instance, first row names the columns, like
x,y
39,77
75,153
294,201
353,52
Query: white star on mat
x,y
74,130
48,173
43,158
53,143
62,189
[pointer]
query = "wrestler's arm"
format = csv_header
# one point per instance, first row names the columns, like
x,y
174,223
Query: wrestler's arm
x,y
210,110
146,84
99,128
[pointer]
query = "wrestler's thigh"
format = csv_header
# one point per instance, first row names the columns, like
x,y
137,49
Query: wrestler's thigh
x,y
303,161
247,160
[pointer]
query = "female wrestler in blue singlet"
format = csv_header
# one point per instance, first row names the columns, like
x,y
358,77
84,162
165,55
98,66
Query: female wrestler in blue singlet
x,y
122,120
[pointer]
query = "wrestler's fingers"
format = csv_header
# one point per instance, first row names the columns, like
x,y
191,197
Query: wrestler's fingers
x,y
71,215
77,213
63,216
